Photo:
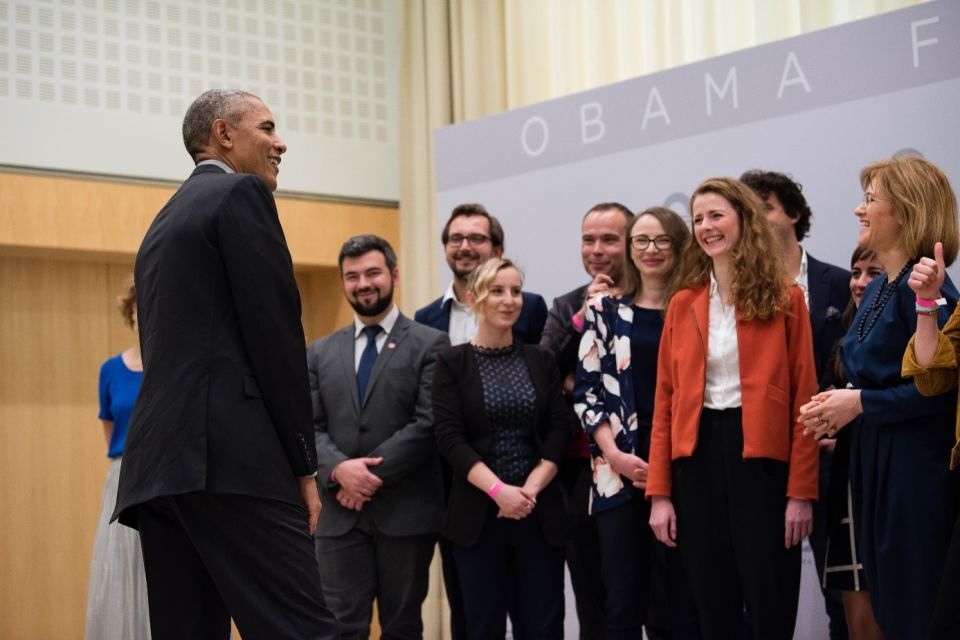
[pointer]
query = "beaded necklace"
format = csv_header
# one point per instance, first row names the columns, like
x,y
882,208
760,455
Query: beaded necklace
x,y
887,289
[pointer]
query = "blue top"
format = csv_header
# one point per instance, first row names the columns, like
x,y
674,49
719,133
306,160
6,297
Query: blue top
x,y
119,387
616,381
874,364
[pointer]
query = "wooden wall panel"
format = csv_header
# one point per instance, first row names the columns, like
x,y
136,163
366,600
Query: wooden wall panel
x,y
66,249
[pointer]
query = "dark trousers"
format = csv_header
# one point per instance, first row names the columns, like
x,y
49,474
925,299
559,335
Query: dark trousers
x,y
363,565
832,602
511,557
211,557
625,547
451,578
946,614
730,532
583,548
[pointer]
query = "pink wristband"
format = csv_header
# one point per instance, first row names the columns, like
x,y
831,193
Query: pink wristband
x,y
495,488
577,322
923,302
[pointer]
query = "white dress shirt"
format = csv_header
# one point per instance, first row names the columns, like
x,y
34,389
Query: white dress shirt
x,y
801,278
722,389
360,338
463,321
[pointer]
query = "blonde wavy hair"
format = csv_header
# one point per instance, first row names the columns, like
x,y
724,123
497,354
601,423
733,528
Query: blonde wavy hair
x,y
478,286
922,200
759,288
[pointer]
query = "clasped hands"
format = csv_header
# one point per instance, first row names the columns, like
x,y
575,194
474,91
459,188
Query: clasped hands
x,y
357,483
830,411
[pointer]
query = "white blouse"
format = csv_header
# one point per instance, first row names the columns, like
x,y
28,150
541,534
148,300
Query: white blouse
x,y
722,390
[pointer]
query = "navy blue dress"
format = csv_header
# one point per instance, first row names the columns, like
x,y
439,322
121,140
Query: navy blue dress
x,y
899,461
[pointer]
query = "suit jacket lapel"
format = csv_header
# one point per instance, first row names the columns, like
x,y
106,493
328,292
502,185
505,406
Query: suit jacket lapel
x,y
346,343
817,288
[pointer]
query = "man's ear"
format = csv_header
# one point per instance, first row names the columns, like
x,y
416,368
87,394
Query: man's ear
x,y
498,252
220,134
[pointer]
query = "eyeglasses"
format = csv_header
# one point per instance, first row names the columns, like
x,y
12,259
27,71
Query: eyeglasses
x,y
640,243
473,239
869,198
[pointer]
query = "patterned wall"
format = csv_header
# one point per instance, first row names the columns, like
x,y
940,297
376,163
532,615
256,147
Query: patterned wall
x,y
323,66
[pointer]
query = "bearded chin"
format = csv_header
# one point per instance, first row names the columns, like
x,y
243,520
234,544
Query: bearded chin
x,y
381,304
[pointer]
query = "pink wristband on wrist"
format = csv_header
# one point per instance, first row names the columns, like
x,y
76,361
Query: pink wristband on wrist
x,y
577,322
923,302
495,488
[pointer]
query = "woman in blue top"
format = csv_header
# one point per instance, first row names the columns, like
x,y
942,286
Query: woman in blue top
x,y
616,378
117,596
900,453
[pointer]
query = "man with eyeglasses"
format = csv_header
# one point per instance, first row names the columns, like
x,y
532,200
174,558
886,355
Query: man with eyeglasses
x,y
470,237
603,249
827,291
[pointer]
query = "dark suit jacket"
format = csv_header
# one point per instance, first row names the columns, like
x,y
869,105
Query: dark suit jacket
x,y
528,328
463,437
394,421
225,403
559,334
829,289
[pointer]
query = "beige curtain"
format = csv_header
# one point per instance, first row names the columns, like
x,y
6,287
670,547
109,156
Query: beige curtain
x,y
465,59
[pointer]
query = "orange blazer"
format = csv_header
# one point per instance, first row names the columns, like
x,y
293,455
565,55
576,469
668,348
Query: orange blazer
x,y
777,376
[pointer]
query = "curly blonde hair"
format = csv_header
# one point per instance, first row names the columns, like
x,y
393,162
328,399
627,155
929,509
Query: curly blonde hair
x,y
759,288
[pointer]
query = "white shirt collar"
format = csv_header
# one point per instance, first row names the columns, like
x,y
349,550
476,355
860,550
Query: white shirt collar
x,y
218,163
386,324
449,294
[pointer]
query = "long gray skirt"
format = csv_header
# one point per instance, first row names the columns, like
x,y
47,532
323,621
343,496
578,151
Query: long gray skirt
x,y
117,595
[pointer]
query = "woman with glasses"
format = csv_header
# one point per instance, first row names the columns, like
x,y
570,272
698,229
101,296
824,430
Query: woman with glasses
x,y
503,425
616,378
731,477
900,471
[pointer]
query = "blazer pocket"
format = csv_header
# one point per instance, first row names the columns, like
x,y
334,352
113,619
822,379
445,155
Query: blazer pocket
x,y
777,394
250,387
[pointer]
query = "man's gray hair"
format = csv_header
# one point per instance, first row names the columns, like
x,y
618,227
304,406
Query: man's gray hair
x,y
229,105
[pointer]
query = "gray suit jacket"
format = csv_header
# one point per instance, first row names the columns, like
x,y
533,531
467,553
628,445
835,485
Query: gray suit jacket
x,y
394,421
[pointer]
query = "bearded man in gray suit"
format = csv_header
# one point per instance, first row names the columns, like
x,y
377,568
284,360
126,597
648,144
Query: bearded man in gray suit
x,y
377,463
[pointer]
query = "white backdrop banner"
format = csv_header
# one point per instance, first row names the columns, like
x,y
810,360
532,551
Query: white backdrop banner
x,y
818,106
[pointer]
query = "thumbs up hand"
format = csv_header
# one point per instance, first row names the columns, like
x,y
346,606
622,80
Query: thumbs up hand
x,y
928,274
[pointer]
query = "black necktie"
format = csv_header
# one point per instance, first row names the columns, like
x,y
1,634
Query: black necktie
x,y
367,360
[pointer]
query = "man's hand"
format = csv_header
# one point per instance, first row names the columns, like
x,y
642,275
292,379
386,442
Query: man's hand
x,y
354,476
311,500
350,500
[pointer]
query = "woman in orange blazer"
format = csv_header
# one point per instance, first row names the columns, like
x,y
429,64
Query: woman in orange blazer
x,y
731,476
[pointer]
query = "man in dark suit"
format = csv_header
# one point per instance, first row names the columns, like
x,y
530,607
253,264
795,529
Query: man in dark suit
x,y
470,237
218,473
603,249
827,290
376,451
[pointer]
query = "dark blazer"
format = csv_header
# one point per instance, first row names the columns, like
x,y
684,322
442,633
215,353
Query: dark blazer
x,y
463,437
225,401
559,334
394,421
528,328
829,289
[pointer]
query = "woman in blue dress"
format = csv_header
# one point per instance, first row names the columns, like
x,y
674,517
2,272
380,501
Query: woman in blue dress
x,y
616,379
117,595
900,454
